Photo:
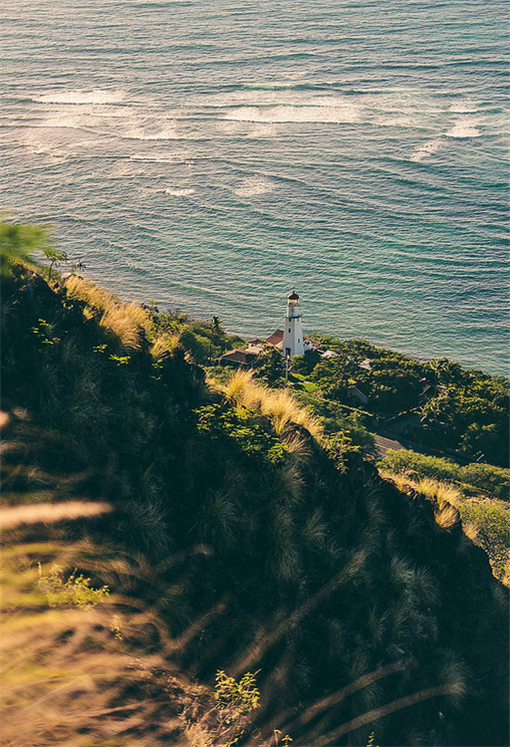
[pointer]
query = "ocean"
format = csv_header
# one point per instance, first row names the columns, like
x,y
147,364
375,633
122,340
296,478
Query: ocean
x,y
214,155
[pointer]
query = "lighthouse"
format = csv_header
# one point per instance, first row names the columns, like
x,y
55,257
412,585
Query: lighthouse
x,y
293,343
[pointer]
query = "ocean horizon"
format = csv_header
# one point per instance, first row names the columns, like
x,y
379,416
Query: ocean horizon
x,y
214,156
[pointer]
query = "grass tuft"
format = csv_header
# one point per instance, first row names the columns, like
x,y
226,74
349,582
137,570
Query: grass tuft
x,y
279,405
441,492
164,345
128,322
447,516
485,521
124,322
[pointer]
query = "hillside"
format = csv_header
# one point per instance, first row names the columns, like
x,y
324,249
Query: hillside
x,y
478,491
232,535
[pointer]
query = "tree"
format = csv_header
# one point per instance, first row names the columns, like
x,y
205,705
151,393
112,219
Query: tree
x,y
445,371
17,244
269,364
215,331
55,257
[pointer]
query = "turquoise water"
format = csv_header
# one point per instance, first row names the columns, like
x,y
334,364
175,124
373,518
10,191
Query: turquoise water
x,y
213,155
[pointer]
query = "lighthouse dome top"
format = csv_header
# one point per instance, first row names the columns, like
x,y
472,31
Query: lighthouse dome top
x,y
293,296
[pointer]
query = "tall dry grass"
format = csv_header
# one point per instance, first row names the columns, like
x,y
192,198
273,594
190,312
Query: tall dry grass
x,y
442,492
85,677
277,404
446,497
439,491
485,521
128,322
49,513
64,670
164,345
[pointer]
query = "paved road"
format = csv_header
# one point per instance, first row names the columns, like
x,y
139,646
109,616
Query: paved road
x,y
384,444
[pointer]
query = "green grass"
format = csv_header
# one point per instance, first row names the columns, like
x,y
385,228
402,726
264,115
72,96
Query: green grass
x,y
310,387
492,521
485,519
472,479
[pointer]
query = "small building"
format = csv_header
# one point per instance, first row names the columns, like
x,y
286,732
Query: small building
x,y
255,345
276,339
311,345
238,358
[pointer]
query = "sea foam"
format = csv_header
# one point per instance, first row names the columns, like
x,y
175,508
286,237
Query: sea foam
x,y
80,97
463,129
254,186
284,113
427,149
179,192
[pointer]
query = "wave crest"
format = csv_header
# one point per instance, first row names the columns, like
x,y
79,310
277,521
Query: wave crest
x,y
463,129
334,114
78,97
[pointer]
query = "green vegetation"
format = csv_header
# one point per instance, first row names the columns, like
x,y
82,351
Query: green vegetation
x,y
18,242
269,366
221,718
454,409
335,418
75,590
472,479
205,341
235,532
478,491
492,523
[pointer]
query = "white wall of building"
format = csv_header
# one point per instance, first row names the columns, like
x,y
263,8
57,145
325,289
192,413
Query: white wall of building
x,y
293,343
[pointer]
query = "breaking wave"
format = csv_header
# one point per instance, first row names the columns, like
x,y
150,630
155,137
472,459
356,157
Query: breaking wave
x,y
272,114
463,129
179,192
80,97
426,150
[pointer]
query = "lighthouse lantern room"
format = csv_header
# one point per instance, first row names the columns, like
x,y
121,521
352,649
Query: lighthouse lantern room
x,y
293,343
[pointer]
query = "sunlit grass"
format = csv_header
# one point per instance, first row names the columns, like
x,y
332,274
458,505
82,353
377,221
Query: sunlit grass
x,y
485,521
49,513
277,404
128,322
164,345
447,516
70,674
125,323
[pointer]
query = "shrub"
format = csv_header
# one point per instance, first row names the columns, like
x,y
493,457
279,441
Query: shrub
x,y
76,590
492,522
492,481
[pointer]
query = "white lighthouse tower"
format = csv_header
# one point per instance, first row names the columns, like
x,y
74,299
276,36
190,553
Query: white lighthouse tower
x,y
293,343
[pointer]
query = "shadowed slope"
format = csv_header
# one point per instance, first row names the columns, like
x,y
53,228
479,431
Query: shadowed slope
x,y
265,548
